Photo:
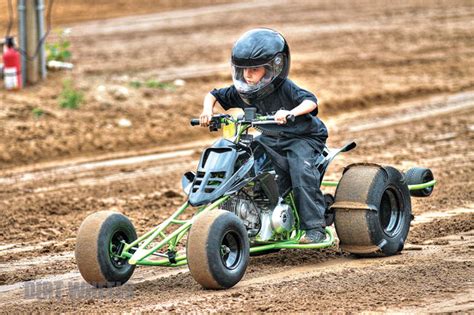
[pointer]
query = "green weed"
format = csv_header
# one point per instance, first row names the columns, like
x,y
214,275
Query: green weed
x,y
70,98
152,84
60,50
135,84
37,112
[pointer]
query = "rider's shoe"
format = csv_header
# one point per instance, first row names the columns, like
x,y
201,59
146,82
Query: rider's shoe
x,y
313,236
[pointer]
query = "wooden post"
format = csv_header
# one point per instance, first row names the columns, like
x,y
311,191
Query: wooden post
x,y
32,65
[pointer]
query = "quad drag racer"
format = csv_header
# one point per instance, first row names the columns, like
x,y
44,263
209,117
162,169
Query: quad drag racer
x,y
259,195
239,212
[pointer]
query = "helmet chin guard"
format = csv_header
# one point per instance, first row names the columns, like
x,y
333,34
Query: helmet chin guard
x,y
265,48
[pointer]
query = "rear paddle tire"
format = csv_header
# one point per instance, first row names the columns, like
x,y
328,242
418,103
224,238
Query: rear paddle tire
x,y
217,249
373,210
100,241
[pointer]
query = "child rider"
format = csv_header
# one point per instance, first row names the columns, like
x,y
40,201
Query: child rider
x,y
260,66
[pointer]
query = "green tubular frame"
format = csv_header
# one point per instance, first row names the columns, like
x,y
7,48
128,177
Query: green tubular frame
x,y
138,252
142,252
294,243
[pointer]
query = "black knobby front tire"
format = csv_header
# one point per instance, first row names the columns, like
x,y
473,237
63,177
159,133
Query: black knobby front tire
x,y
99,240
373,210
419,175
217,249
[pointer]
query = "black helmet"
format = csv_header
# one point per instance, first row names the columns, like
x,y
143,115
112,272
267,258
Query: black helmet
x,y
260,47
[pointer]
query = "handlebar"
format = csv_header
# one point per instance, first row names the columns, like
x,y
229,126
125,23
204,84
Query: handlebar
x,y
195,122
270,120
262,120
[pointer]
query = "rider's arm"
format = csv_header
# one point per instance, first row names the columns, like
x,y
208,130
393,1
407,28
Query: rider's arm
x,y
208,109
307,106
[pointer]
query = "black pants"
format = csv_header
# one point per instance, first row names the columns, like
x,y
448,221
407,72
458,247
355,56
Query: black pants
x,y
294,160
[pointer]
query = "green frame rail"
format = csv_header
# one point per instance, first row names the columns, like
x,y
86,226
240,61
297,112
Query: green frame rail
x,y
140,255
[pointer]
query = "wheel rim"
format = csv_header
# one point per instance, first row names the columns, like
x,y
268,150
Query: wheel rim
x,y
231,250
427,177
391,213
115,249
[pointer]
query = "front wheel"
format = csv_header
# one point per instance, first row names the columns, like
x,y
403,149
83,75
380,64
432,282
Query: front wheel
x,y
217,249
100,241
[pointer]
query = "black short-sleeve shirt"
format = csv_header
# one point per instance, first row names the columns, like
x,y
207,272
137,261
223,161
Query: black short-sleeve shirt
x,y
287,97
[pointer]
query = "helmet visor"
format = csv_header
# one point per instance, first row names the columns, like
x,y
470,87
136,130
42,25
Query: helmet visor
x,y
249,80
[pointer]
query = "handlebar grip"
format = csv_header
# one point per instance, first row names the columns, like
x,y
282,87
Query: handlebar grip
x,y
195,122
290,118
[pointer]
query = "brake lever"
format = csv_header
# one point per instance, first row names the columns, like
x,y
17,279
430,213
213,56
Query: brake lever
x,y
215,124
290,119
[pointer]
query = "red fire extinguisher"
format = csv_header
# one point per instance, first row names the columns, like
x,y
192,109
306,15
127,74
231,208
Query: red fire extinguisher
x,y
11,66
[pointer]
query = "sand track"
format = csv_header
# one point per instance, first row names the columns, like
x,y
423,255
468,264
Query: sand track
x,y
397,77
266,275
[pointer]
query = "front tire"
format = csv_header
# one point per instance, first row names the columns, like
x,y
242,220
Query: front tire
x,y
217,250
99,241
373,210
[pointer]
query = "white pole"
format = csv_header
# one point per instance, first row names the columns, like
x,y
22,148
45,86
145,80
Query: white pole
x,y
42,54
22,37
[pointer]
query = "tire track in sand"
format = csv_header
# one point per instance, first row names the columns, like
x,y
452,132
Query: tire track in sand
x,y
290,277
143,274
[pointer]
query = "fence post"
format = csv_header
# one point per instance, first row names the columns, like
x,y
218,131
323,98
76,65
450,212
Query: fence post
x,y
41,33
22,37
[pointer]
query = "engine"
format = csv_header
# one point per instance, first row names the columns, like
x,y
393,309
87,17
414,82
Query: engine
x,y
244,208
276,221
263,213
260,218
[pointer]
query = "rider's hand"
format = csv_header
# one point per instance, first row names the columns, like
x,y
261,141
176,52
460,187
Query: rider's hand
x,y
205,118
280,116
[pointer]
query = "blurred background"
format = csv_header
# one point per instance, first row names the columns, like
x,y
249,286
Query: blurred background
x,y
351,54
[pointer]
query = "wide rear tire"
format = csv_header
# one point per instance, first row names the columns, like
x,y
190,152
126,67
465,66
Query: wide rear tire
x,y
373,210
217,249
98,241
